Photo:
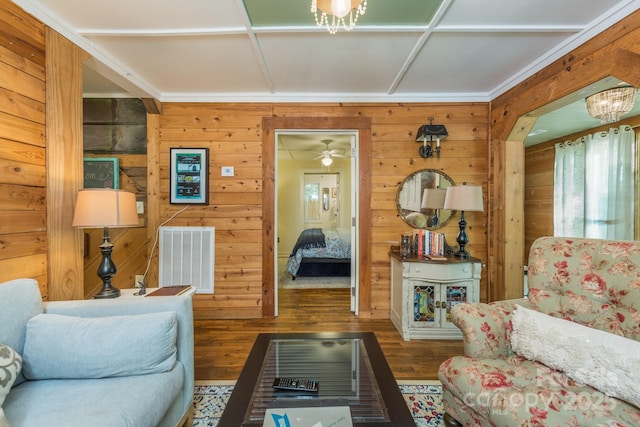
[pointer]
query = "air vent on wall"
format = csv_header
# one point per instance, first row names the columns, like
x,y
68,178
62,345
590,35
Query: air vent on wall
x,y
187,257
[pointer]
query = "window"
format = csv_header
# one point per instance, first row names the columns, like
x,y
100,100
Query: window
x,y
312,202
594,186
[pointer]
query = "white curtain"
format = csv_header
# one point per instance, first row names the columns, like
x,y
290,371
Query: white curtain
x,y
569,188
594,186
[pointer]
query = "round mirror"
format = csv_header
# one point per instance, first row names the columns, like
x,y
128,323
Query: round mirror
x,y
420,199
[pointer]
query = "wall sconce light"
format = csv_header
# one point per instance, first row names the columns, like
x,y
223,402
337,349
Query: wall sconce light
x,y
429,133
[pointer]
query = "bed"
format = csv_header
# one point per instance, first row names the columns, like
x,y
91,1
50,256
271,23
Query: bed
x,y
319,252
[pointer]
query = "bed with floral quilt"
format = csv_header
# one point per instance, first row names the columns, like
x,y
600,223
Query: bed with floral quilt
x,y
319,252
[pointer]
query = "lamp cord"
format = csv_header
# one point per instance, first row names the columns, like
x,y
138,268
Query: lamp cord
x,y
155,243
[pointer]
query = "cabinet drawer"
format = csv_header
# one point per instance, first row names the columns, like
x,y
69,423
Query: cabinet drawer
x,y
439,272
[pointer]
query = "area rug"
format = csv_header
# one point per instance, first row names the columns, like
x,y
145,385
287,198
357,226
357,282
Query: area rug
x,y
424,400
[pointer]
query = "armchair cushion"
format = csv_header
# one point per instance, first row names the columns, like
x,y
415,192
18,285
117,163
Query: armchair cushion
x,y
66,347
608,362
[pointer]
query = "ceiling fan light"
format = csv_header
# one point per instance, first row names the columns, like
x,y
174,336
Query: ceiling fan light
x,y
610,105
327,160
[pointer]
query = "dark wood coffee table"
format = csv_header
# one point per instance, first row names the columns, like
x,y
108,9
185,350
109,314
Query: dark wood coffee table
x,y
350,367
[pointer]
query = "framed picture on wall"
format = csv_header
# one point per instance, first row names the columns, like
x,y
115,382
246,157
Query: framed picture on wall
x,y
101,172
189,176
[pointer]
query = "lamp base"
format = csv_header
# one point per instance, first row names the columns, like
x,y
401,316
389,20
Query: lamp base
x,y
462,239
106,270
462,254
107,292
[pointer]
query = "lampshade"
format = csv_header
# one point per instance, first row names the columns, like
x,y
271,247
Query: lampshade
x,y
97,208
609,105
464,198
433,198
430,132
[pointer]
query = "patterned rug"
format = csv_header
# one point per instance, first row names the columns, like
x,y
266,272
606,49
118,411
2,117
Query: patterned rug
x,y
424,399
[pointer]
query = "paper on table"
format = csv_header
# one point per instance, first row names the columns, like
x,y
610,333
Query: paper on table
x,y
334,416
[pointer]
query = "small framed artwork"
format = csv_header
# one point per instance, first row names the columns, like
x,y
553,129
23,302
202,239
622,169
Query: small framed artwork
x,y
101,172
189,176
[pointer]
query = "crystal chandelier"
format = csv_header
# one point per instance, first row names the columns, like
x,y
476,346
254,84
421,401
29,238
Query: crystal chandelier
x,y
334,12
609,105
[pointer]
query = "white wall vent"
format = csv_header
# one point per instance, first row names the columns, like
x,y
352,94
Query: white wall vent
x,y
186,257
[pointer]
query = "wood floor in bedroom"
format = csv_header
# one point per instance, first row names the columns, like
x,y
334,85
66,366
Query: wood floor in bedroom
x,y
222,346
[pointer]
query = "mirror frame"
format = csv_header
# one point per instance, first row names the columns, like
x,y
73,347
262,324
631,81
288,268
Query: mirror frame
x,y
400,210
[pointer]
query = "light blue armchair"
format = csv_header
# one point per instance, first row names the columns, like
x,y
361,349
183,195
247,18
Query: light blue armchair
x,y
117,362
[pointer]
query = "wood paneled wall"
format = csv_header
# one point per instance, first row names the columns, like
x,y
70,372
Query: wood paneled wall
x,y
23,213
233,134
614,52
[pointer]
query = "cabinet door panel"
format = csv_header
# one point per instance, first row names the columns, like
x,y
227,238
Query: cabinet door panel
x,y
424,304
453,294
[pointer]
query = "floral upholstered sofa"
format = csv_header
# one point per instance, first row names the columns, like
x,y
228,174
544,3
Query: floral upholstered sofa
x,y
569,355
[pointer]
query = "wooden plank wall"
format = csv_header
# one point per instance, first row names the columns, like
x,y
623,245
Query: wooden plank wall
x,y
232,132
23,242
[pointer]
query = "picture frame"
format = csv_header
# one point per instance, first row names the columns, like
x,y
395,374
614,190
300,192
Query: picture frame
x,y
189,176
101,172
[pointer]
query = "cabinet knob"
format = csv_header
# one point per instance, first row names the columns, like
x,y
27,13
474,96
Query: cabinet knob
x,y
466,269
417,269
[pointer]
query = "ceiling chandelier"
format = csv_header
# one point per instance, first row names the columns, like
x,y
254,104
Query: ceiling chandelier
x,y
338,10
609,105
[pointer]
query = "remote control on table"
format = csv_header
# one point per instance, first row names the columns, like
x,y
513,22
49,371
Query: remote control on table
x,y
295,384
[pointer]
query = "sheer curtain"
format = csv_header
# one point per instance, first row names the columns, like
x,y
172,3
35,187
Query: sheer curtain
x,y
569,188
594,186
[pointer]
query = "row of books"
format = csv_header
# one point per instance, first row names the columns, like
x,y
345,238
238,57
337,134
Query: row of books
x,y
430,243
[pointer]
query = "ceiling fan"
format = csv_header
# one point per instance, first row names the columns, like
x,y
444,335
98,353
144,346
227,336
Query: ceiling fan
x,y
327,155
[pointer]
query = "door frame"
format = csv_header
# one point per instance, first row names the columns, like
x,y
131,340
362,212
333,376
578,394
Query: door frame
x,y
362,125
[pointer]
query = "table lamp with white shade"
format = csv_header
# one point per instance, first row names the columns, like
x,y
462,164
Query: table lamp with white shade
x,y
463,198
105,208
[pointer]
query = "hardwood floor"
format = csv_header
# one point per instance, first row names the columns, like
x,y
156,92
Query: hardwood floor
x,y
222,346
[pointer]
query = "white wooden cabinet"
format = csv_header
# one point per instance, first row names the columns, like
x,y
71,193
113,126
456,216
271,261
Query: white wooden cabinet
x,y
423,292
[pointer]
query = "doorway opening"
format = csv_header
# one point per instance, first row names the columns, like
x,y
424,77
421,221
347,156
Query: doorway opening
x,y
315,194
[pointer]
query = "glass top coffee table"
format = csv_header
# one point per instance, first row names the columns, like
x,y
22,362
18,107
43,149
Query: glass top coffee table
x,y
350,368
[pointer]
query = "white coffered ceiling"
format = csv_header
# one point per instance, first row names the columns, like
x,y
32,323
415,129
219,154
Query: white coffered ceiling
x,y
271,50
